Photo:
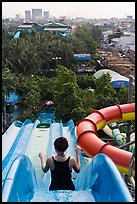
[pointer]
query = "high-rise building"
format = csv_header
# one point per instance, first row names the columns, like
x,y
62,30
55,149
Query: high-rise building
x,y
129,17
46,14
27,14
36,13
17,17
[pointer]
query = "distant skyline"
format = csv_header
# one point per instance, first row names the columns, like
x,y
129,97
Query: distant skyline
x,y
72,9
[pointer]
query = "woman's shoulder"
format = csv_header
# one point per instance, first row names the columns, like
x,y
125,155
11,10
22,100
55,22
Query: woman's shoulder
x,y
72,159
50,159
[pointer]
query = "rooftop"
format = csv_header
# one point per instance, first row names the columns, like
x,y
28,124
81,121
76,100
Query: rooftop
x,y
116,79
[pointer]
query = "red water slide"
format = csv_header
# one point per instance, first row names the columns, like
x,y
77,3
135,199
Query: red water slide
x,y
88,139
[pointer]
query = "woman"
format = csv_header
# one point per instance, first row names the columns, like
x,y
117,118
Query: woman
x,y
61,166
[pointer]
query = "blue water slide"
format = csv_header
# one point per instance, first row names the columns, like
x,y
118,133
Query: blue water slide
x,y
18,141
23,184
104,181
17,34
10,135
7,195
21,181
100,181
18,147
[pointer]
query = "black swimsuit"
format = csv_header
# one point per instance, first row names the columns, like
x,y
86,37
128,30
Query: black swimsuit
x,y
61,176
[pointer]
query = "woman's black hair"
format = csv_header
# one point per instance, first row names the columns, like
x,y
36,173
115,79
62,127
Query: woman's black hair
x,y
61,144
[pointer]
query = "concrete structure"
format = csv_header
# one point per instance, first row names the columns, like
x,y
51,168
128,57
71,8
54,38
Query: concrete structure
x,y
123,42
17,17
27,15
31,26
46,15
129,17
131,53
106,33
126,24
58,28
36,13
27,26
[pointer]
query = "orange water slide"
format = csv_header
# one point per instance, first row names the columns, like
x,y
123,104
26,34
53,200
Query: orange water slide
x,y
88,139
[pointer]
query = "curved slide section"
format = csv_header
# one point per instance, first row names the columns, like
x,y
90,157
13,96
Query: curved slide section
x,y
21,181
86,132
104,181
18,147
10,136
12,141
91,185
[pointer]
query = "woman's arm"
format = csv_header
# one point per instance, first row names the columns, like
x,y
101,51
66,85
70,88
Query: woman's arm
x,y
76,165
44,167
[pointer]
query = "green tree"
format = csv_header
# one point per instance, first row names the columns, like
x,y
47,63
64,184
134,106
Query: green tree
x,y
9,80
66,97
32,102
89,100
21,56
86,82
122,95
105,92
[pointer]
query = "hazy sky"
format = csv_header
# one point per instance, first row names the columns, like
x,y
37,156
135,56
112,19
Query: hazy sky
x,y
72,9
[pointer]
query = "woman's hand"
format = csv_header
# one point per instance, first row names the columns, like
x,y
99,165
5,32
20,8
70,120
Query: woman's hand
x,y
41,155
77,149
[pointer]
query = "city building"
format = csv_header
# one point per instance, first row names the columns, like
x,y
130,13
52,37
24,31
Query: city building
x,y
124,42
36,13
27,15
126,24
106,34
17,17
58,28
46,15
129,17
31,26
131,53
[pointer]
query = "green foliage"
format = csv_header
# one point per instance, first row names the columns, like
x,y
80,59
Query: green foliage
x,y
65,93
122,95
6,37
32,101
86,82
88,31
105,92
25,59
21,56
88,99
33,54
89,37
66,102
9,80
33,91
44,87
